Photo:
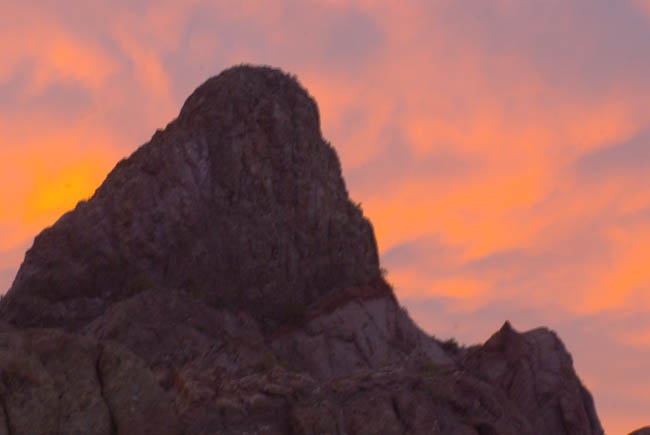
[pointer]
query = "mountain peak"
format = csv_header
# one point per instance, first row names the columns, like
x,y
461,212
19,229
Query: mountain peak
x,y
220,280
238,202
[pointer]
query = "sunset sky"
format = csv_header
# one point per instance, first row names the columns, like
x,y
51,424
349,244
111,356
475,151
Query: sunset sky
x,y
500,148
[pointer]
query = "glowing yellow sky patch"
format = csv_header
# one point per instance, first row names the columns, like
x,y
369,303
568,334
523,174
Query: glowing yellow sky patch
x,y
56,190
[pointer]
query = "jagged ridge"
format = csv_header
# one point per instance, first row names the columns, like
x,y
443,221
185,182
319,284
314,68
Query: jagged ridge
x,y
221,281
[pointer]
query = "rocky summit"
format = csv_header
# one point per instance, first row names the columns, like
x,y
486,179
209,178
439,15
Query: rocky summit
x,y
221,281
238,202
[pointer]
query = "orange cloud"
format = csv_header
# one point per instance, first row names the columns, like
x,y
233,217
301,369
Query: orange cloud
x,y
146,65
626,272
353,112
67,58
56,53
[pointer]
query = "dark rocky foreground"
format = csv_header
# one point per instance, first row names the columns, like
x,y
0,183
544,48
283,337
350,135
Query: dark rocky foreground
x,y
220,281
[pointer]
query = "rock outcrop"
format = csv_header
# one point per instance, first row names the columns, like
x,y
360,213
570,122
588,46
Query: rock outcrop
x,y
52,382
536,372
221,281
239,201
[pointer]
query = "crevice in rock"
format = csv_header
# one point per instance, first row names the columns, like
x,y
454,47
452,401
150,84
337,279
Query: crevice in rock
x,y
101,389
354,341
6,414
400,418
563,422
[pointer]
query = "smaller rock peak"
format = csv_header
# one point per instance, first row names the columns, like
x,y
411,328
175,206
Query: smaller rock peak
x,y
504,337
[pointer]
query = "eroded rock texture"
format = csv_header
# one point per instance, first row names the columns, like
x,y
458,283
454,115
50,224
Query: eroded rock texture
x,y
57,383
239,201
220,281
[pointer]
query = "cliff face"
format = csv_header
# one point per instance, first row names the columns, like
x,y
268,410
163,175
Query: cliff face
x,y
239,202
221,281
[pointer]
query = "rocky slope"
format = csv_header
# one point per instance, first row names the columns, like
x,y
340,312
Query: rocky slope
x,y
221,281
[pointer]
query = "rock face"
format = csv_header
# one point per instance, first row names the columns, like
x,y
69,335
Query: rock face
x,y
221,281
53,382
238,201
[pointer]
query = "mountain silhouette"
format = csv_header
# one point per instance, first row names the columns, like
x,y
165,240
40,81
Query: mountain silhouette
x,y
220,280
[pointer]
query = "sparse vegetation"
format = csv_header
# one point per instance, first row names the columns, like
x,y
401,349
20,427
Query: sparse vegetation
x,y
430,369
265,362
137,284
450,345
194,292
383,273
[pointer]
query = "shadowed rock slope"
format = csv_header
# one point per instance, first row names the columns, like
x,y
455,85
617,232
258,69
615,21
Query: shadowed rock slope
x,y
220,280
239,201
